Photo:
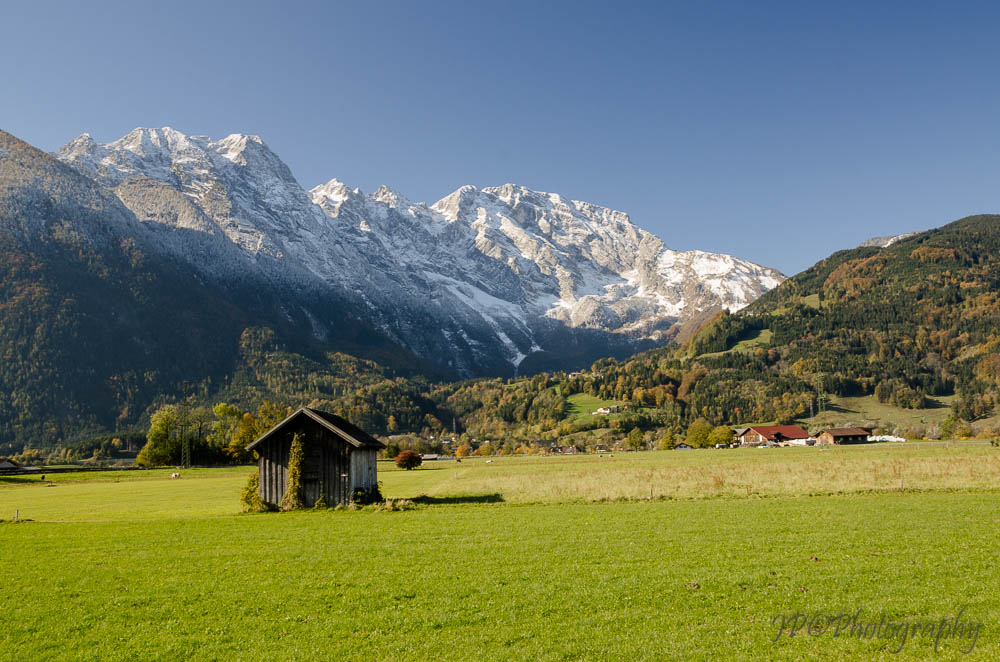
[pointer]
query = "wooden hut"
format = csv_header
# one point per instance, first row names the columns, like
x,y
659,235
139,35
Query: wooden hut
x,y
339,459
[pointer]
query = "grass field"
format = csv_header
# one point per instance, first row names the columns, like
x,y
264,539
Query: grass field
x,y
523,558
733,473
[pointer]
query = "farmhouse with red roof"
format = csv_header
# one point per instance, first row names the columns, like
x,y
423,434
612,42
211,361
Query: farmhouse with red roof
x,y
761,435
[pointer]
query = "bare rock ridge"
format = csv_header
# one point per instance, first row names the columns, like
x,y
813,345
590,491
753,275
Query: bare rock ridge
x,y
885,242
484,281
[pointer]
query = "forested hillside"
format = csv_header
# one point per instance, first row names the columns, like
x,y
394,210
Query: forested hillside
x,y
914,320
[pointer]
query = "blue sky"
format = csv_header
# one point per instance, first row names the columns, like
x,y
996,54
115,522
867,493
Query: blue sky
x,y
778,132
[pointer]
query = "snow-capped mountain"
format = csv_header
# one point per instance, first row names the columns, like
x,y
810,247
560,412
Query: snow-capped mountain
x,y
235,188
485,281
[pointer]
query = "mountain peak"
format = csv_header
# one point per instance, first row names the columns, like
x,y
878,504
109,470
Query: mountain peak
x,y
507,189
166,154
332,195
451,205
333,189
83,144
512,193
237,146
145,140
391,197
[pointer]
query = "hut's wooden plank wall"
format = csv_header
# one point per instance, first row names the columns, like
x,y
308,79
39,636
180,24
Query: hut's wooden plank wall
x,y
273,471
331,466
363,469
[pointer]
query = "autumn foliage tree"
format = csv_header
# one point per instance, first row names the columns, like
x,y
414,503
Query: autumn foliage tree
x,y
408,460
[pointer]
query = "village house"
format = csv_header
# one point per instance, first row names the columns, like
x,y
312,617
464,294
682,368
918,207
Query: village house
x,y
771,435
843,436
7,463
338,464
603,411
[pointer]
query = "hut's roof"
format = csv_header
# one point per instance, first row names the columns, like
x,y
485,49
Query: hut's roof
x,y
339,426
848,432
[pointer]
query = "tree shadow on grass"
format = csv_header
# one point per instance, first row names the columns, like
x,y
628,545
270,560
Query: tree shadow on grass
x,y
21,479
426,466
470,498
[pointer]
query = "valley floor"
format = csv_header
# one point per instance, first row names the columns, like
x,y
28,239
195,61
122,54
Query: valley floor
x,y
513,560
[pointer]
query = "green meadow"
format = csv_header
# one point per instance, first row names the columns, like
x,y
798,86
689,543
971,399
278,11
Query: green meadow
x,y
679,555
580,407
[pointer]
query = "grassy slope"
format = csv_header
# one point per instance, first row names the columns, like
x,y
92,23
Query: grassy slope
x,y
178,574
868,410
750,341
580,407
